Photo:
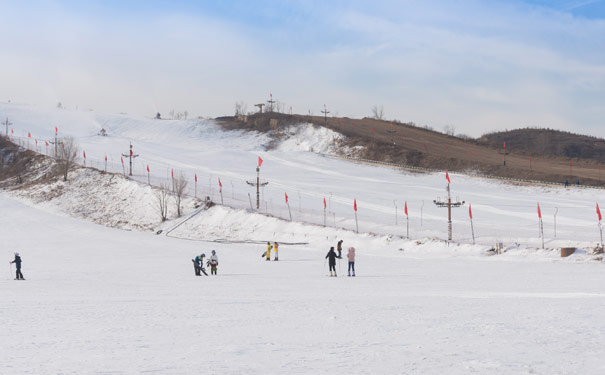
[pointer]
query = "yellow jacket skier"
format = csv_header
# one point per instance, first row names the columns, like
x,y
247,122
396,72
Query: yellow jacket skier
x,y
268,253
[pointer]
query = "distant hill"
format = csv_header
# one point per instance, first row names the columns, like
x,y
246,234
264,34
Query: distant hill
x,y
535,154
547,142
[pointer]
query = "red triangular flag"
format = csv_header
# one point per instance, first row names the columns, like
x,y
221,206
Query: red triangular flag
x,y
470,211
172,172
355,205
447,177
122,159
219,183
325,205
56,130
599,212
260,161
105,157
391,124
286,194
29,135
471,151
196,177
131,153
84,154
539,212
405,208
147,168
46,143
447,148
504,144
12,131
372,130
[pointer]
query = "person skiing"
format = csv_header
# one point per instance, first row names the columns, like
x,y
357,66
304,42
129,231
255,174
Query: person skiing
x,y
17,261
351,256
276,248
213,263
198,264
339,248
331,256
268,252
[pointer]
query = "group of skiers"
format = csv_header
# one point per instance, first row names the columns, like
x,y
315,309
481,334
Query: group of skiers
x,y
212,262
332,256
267,253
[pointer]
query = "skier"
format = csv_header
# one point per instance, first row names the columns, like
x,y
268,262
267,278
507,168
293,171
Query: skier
x,y
339,248
268,252
332,261
198,265
17,261
351,256
276,248
213,262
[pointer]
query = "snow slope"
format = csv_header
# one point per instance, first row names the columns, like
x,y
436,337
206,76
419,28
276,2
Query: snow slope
x,y
100,300
502,212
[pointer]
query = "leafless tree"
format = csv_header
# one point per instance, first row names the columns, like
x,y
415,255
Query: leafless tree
x,y
162,194
67,154
378,112
240,108
449,130
180,184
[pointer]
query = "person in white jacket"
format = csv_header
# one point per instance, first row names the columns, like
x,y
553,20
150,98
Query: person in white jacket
x,y
213,261
351,256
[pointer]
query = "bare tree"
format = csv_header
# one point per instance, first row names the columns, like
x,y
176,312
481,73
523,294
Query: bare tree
x,y
449,130
161,195
67,154
180,184
378,112
240,108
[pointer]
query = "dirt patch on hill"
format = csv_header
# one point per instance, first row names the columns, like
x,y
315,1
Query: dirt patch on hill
x,y
406,143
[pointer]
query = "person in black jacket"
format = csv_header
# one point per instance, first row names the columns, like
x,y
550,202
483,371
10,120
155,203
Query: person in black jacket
x,y
17,262
331,256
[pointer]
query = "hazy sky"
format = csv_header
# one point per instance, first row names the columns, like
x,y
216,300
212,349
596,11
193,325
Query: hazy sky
x,y
474,65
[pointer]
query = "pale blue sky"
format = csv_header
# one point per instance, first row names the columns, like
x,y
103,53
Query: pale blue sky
x,y
474,65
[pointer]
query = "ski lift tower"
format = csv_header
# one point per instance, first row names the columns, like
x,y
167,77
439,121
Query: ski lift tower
x,y
7,124
258,184
131,156
449,204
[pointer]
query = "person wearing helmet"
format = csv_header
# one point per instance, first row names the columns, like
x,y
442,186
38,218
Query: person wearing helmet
x,y
213,263
17,261
198,264
351,256
276,248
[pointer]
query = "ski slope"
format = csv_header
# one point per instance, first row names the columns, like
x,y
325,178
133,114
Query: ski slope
x,y
502,212
101,300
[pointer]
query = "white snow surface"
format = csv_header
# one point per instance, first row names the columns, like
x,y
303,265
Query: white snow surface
x,y
117,298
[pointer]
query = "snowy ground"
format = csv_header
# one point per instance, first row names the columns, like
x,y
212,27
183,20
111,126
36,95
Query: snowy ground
x,y
101,300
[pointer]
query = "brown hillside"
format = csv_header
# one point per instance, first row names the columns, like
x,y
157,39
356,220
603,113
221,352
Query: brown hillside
x,y
548,142
409,144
